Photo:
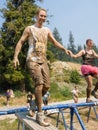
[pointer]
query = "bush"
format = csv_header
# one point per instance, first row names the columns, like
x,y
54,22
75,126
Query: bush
x,y
75,77
66,93
59,94
19,93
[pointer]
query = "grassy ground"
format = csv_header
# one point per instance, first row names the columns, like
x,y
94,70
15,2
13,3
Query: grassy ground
x,y
8,124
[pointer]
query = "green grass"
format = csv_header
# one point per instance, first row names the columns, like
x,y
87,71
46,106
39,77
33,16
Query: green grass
x,y
8,124
59,94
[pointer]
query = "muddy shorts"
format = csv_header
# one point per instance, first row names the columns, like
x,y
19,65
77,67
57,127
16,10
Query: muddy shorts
x,y
40,73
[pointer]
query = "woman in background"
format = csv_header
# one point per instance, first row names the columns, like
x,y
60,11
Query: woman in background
x,y
75,93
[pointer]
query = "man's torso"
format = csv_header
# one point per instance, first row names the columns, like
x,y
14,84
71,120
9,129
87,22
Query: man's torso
x,y
37,44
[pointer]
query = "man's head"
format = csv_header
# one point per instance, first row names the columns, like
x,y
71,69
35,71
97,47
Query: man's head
x,y
41,15
40,9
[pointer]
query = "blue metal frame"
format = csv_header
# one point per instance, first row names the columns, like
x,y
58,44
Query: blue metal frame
x,y
62,113
73,110
94,108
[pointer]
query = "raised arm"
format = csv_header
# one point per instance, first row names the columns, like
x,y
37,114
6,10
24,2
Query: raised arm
x,y
23,38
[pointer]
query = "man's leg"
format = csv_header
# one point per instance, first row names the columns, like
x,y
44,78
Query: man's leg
x,y
40,118
46,77
40,91
38,97
36,74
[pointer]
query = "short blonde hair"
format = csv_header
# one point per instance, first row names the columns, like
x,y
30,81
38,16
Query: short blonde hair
x,y
40,9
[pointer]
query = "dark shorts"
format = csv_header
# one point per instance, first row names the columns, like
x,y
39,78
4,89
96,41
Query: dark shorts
x,y
40,73
8,98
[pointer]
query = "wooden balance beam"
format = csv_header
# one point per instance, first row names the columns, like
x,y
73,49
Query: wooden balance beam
x,y
29,122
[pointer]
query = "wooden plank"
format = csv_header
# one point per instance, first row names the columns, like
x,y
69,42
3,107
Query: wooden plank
x,y
31,123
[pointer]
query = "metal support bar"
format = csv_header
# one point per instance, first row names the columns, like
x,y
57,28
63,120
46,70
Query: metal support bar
x,y
62,113
80,121
63,119
18,125
94,108
71,118
73,110
58,119
22,124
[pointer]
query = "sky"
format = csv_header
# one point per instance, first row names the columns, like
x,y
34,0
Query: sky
x,y
78,16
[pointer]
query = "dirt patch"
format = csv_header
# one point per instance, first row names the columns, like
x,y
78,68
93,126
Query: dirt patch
x,y
10,116
75,66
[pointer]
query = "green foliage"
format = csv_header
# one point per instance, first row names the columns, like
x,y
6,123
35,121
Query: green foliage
x,y
55,92
66,92
66,76
8,124
58,54
1,51
29,83
18,93
1,48
16,19
71,46
59,93
53,88
50,56
75,77
12,75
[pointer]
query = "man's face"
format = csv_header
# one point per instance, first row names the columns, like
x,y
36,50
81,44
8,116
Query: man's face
x,y
41,17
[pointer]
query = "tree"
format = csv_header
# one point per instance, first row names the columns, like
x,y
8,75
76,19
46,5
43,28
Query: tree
x,y
79,60
79,48
15,22
71,45
58,54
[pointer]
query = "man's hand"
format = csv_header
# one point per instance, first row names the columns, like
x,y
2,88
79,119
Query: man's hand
x,y
16,62
68,52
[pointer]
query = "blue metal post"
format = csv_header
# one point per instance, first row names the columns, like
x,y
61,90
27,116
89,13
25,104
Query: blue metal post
x,y
63,119
58,118
71,117
61,111
89,113
78,116
94,107
18,125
